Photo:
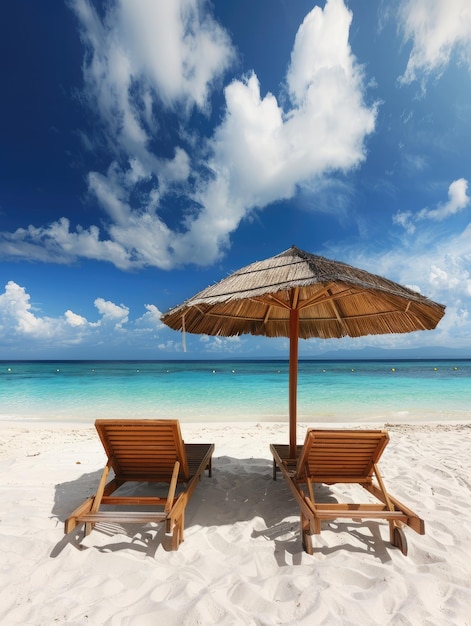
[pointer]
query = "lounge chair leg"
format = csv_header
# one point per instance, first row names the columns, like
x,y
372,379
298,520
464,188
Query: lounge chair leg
x,y
306,536
174,544
182,527
274,470
177,535
398,538
307,543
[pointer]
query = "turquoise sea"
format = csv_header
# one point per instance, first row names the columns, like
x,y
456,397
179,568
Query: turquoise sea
x,y
328,391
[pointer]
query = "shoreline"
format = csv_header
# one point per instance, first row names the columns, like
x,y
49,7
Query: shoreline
x,y
241,562
248,423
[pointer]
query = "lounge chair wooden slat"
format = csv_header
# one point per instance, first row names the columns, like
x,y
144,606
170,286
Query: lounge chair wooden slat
x,y
120,517
150,451
342,456
331,514
138,500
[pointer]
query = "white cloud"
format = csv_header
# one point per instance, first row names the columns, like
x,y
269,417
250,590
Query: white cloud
x,y
436,29
178,48
263,153
151,319
404,219
225,345
17,316
112,313
20,322
320,46
458,200
439,266
442,279
58,244
170,346
145,56
75,320
143,51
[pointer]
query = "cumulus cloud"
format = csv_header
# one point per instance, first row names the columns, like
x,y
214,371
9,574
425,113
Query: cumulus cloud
x,y
20,320
151,319
263,153
57,243
438,265
458,200
75,320
145,60
442,262
143,51
112,313
436,30
17,316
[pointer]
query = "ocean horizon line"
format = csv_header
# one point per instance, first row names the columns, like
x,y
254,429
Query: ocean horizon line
x,y
242,359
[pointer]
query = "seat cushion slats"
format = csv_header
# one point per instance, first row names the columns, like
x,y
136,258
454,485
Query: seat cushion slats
x,y
151,444
347,453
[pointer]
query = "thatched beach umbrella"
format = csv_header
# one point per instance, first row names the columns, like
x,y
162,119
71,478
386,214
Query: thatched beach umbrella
x,y
296,294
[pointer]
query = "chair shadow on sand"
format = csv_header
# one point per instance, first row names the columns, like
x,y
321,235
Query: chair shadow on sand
x,y
363,536
240,490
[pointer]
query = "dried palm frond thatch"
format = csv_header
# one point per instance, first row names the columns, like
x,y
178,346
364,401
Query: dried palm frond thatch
x,y
333,300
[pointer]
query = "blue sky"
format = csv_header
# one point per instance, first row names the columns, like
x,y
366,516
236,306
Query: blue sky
x,y
149,148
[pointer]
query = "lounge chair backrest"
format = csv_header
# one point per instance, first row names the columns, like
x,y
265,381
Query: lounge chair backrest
x,y
143,448
341,455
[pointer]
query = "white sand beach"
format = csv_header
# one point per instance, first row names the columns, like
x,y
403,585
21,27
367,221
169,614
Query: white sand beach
x,y
242,561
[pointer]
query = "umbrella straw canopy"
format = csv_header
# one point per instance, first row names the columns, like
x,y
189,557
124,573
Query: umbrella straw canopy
x,y
297,294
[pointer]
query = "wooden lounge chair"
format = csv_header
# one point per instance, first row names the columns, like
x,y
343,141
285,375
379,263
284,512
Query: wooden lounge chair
x,y
342,456
145,451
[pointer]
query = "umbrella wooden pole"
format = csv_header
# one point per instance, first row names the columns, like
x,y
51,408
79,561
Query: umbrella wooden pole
x,y
293,378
